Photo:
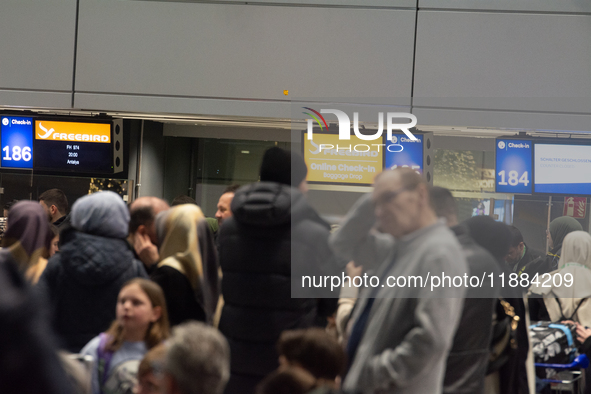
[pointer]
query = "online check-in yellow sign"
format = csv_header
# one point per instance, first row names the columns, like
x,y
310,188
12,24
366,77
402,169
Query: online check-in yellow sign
x,y
342,165
72,131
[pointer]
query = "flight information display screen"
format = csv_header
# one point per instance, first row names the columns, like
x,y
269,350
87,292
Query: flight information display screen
x,y
68,145
73,146
562,169
543,166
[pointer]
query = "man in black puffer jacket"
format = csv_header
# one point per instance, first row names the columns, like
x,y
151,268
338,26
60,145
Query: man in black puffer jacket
x,y
82,282
273,237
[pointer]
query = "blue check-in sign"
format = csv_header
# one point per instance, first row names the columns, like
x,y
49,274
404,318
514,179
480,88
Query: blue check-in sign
x,y
401,151
513,166
16,138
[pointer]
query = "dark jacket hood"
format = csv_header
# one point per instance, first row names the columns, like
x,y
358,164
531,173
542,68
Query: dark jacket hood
x,y
268,204
93,260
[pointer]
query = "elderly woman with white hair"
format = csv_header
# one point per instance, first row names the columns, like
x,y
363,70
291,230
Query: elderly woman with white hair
x,y
565,299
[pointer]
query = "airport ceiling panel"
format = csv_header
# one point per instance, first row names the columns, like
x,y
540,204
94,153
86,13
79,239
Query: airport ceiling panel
x,y
193,56
305,3
503,61
570,6
37,44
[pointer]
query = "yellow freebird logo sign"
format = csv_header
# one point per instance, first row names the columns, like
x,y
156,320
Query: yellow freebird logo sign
x,y
72,131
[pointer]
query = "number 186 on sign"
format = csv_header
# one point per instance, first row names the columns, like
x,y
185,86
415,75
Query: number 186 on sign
x,y
17,153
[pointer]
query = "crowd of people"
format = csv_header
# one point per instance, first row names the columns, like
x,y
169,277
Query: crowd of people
x,y
107,298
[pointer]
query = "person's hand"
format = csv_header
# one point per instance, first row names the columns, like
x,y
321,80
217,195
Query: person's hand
x,y
353,271
569,322
145,249
583,333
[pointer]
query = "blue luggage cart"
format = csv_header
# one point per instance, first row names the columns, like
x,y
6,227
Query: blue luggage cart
x,y
567,378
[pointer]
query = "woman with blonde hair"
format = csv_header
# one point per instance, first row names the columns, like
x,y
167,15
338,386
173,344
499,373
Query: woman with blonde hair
x,y
188,267
28,238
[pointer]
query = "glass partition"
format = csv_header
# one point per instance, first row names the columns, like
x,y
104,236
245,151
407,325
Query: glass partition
x,y
22,186
224,162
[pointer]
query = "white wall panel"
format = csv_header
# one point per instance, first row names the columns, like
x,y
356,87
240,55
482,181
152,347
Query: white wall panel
x,y
503,119
182,105
35,99
180,51
336,3
533,62
575,6
37,45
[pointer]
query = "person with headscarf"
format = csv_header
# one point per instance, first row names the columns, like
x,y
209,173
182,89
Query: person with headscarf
x,y
28,359
568,299
187,269
566,295
28,238
559,228
82,282
272,236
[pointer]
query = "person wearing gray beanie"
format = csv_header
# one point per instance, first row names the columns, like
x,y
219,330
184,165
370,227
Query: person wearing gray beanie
x,y
83,280
102,213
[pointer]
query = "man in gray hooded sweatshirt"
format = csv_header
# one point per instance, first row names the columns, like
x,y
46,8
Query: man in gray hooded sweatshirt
x,y
400,336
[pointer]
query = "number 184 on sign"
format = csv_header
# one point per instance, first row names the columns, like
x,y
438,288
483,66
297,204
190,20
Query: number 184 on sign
x,y
514,178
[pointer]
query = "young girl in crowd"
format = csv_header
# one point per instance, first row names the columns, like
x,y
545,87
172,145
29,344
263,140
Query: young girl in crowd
x,y
141,324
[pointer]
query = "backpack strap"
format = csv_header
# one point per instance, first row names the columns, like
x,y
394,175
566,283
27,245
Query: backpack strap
x,y
560,307
104,359
577,308
562,317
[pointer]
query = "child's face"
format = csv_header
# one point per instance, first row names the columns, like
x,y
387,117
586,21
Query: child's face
x,y
54,245
134,309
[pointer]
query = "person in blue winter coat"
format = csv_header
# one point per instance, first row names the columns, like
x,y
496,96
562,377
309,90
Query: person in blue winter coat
x,y
83,280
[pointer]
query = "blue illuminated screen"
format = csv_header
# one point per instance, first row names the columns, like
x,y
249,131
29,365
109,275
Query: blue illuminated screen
x,y
562,169
513,166
404,152
17,142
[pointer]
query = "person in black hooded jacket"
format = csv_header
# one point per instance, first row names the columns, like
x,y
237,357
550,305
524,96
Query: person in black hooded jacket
x,y
82,282
272,238
495,237
468,357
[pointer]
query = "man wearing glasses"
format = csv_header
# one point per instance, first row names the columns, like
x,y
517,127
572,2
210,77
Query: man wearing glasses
x,y
400,336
